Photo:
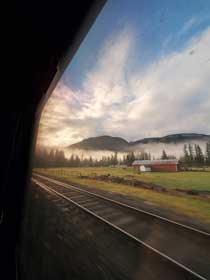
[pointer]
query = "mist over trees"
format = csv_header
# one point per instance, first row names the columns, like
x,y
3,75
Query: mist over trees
x,y
193,156
43,158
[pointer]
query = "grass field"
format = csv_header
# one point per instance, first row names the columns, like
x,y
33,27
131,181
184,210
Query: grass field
x,y
192,206
196,180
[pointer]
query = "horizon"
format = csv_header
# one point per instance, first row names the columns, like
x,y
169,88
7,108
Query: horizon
x,y
162,136
135,140
154,150
135,78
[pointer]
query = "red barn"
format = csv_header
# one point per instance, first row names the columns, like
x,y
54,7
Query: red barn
x,y
157,165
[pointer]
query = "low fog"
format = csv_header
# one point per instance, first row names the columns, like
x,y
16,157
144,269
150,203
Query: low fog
x,y
85,154
155,149
171,149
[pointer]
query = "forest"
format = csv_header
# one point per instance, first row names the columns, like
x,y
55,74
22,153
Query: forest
x,y
193,156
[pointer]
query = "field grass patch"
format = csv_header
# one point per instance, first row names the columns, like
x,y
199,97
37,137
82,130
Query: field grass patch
x,y
190,206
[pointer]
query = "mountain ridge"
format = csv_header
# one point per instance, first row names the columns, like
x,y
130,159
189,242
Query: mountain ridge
x,y
111,143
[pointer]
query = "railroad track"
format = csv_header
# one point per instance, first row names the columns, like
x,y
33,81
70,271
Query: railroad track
x,y
181,252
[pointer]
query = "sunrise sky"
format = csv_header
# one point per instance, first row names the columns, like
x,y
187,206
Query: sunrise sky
x,y
143,70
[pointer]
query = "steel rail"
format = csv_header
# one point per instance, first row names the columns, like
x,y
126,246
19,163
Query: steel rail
x,y
164,256
68,186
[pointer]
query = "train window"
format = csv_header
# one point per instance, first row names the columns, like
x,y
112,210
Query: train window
x,y
121,171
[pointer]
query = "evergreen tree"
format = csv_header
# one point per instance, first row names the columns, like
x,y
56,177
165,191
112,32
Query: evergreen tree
x,y
90,161
115,161
186,157
199,157
45,158
191,155
130,158
164,155
52,158
207,154
124,159
77,161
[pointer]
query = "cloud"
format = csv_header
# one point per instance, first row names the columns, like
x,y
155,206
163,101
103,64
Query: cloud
x,y
171,95
106,82
192,22
189,25
76,115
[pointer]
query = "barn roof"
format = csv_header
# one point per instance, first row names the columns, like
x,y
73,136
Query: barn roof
x,y
159,161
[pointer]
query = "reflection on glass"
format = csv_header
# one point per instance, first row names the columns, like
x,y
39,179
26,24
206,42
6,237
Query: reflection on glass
x,y
130,119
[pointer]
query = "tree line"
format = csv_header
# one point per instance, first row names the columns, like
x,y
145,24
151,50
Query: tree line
x,y
192,156
56,158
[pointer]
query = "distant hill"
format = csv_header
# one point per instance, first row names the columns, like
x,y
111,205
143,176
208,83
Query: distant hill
x,y
110,143
105,142
174,138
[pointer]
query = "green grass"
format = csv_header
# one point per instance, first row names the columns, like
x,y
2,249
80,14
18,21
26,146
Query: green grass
x,y
180,180
191,206
197,180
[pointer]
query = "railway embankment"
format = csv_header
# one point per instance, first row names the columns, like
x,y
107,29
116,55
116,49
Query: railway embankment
x,y
60,242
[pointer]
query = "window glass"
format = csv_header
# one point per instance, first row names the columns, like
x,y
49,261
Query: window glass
x,y
130,121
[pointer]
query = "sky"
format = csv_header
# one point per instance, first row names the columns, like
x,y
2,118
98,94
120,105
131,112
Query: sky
x,y
143,70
